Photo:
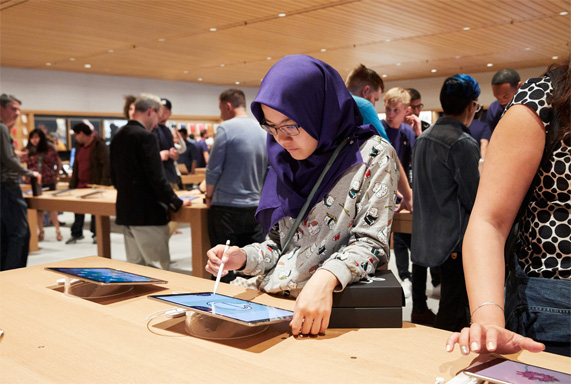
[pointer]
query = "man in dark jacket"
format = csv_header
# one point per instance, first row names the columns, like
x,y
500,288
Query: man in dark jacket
x,y
144,196
90,166
445,168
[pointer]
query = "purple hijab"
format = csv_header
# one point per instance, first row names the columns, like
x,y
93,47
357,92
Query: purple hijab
x,y
311,93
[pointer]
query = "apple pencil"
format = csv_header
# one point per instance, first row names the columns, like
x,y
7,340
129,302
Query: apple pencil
x,y
219,275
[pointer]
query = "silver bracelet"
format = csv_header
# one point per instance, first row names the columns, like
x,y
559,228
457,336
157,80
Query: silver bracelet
x,y
486,303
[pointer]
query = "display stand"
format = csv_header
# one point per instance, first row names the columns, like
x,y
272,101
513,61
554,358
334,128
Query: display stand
x,y
212,328
85,290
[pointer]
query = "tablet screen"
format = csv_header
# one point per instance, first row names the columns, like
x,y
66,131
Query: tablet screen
x,y
513,372
227,307
106,276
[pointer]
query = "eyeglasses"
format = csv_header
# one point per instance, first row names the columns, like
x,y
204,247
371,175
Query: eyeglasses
x,y
290,130
478,107
419,106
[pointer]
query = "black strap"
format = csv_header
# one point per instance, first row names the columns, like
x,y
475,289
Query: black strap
x,y
312,193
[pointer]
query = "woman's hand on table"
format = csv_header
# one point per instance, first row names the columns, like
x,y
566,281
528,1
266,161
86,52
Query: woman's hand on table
x,y
482,338
234,259
313,305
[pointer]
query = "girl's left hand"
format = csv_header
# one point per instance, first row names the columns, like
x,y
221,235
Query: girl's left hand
x,y
313,305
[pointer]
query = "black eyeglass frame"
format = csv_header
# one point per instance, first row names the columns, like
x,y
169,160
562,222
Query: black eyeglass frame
x,y
274,130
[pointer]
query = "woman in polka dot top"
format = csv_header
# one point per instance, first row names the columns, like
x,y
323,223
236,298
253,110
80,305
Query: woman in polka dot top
x,y
537,301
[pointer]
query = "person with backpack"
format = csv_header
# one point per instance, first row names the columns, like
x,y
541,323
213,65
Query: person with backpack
x,y
526,179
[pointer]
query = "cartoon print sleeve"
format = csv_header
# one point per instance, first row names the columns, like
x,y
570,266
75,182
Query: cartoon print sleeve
x,y
368,244
262,257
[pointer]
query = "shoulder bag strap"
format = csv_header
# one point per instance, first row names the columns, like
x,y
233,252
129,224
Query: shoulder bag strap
x,y
311,194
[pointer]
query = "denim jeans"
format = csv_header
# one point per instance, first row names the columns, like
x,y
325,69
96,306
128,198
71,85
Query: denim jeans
x,y
539,308
235,224
401,245
15,236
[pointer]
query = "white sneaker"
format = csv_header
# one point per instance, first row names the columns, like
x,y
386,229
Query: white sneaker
x,y
407,288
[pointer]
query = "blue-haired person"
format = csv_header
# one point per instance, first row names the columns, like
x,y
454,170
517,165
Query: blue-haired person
x,y
445,168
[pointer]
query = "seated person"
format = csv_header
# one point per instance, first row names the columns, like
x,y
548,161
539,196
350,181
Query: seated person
x,y
343,237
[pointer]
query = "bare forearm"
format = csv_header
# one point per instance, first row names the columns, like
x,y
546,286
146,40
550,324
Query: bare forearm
x,y
484,270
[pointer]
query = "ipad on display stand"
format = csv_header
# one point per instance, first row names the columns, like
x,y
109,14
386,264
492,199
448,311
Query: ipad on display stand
x,y
100,282
216,316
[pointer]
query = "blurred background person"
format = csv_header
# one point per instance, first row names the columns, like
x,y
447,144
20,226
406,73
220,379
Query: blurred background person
x,y
43,158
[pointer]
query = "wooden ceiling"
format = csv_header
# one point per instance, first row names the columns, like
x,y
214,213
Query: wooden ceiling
x,y
171,39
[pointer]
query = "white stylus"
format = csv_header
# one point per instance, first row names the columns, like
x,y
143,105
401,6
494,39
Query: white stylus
x,y
219,275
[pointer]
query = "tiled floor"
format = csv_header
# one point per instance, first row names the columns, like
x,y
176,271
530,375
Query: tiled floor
x,y
180,249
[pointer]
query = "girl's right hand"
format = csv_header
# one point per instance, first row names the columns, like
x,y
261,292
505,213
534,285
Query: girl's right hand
x,y
480,338
234,259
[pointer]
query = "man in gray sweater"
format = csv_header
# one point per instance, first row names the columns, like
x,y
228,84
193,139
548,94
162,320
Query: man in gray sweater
x,y
235,175
15,236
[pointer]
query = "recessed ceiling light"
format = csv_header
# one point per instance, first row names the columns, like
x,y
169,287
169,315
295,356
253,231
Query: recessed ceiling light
x,y
323,50
490,64
282,15
72,59
48,64
161,40
87,66
184,71
213,29
555,57
268,58
466,28
528,49
398,64
433,70
110,51
384,75
457,57
222,65
199,79
564,13
388,40
237,82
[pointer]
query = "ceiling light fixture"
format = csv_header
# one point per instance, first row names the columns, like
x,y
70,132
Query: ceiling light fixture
x,y
555,57
323,50
161,40
433,70
199,79
48,64
384,75
388,40
184,71
282,15
87,66
72,59
268,58
212,29
398,64
466,28
222,65
237,83
110,51
490,64
457,57
528,49
564,13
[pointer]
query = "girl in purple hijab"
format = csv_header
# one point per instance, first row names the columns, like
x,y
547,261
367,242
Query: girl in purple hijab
x,y
308,113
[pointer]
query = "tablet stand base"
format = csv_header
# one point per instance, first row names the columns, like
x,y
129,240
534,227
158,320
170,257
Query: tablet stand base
x,y
87,290
208,327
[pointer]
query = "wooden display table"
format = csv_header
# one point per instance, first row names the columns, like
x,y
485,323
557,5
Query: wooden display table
x,y
103,206
52,338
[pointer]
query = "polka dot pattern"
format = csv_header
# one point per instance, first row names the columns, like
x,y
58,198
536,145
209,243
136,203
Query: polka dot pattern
x,y
545,232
